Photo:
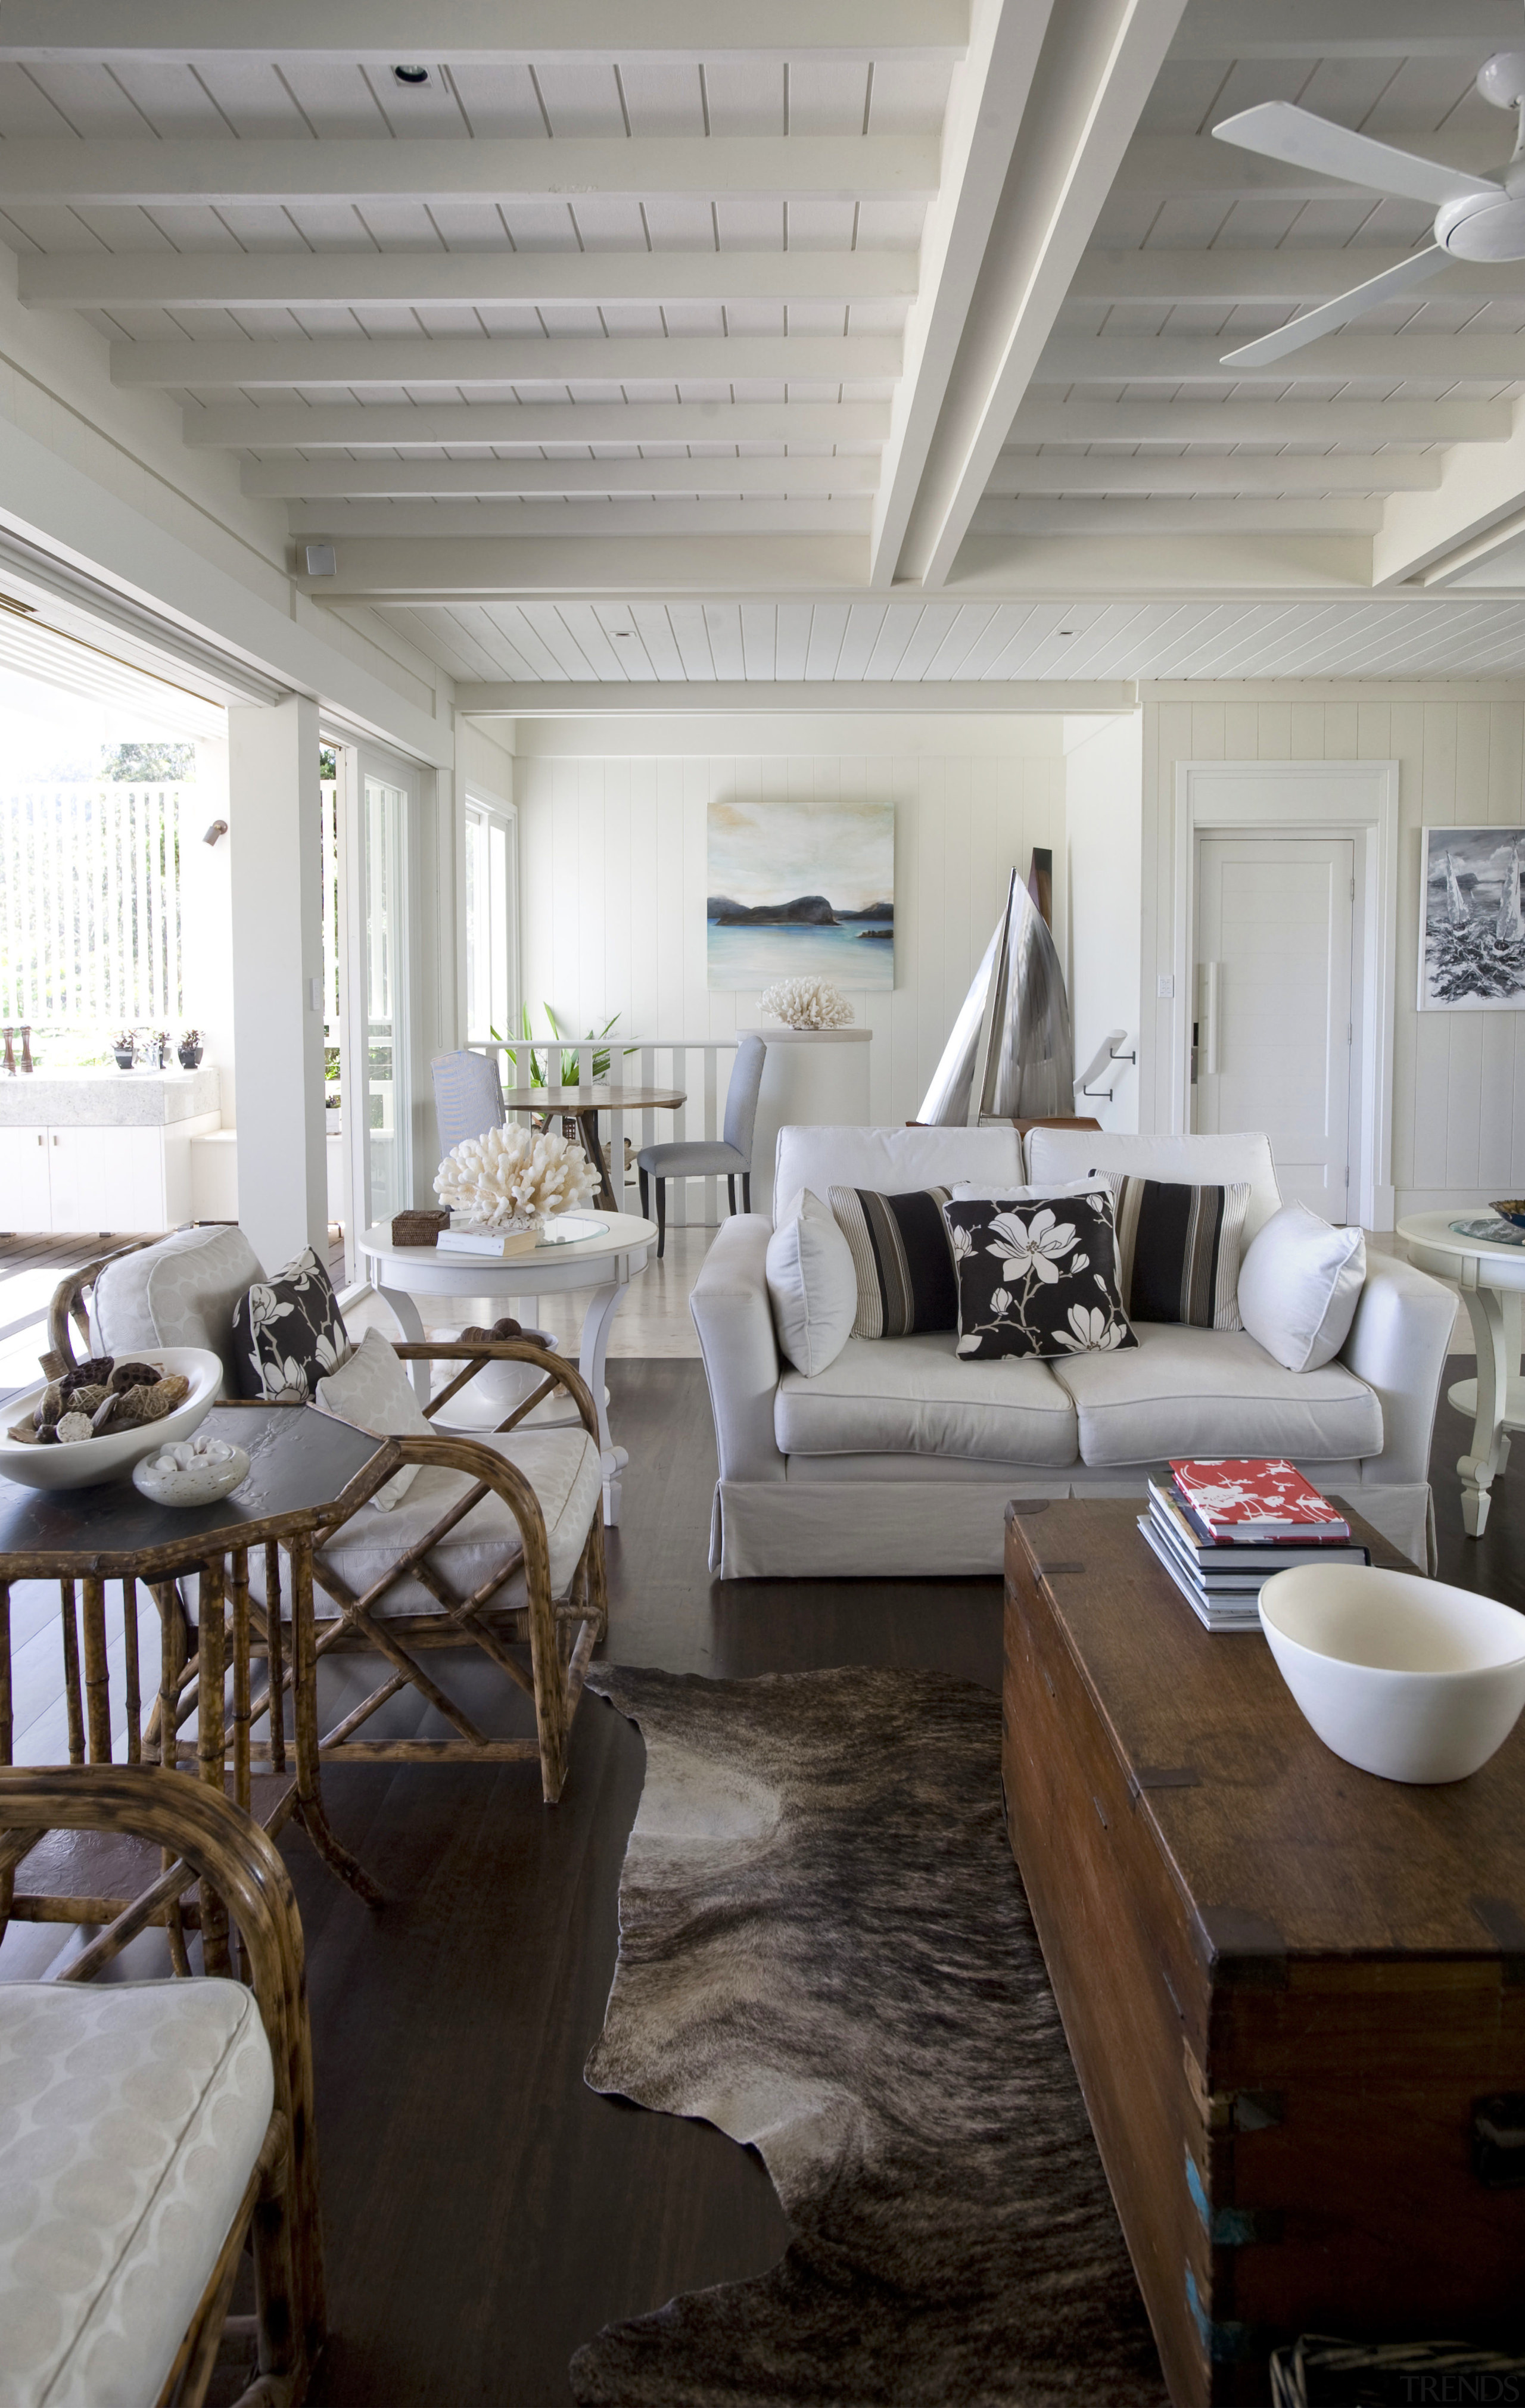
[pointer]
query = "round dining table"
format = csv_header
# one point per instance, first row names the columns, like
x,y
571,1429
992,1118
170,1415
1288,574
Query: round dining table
x,y
584,1105
1490,1274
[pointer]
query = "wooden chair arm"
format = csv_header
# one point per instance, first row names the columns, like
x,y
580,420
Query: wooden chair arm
x,y
506,1350
68,1299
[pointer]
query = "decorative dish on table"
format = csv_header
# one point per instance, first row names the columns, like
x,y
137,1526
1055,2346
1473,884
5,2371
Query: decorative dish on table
x,y
99,1419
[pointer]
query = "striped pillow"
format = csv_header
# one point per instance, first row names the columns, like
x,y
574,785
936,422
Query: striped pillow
x,y
1178,1251
902,1259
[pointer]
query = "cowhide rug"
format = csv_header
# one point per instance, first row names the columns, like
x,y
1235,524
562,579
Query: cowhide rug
x,y
826,1951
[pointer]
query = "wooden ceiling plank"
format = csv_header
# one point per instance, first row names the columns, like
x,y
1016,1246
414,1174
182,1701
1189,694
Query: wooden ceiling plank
x,y
1200,472
1044,419
479,361
279,425
361,171
287,475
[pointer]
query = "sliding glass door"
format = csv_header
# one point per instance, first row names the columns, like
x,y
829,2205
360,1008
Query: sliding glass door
x,y
379,810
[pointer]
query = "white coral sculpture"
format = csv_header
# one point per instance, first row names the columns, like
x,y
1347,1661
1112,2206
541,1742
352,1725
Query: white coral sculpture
x,y
513,1177
807,1003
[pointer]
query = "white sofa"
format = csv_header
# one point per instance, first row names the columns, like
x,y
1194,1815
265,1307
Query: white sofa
x,y
899,1458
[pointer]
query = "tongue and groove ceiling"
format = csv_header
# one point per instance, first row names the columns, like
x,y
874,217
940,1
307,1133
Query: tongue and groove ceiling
x,y
869,342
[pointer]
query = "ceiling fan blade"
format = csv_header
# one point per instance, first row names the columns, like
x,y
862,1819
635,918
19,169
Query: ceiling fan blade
x,y
1279,130
1338,312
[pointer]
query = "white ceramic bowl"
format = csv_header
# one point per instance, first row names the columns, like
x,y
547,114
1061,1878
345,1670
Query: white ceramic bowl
x,y
94,1459
1400,1675
201,1482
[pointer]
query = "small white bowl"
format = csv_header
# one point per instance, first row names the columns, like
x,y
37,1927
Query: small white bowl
x,y
201,1482
94,1459
1400,1675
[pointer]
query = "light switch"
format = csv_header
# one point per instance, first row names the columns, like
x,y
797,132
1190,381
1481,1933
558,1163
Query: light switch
x,y
314,995
1165,986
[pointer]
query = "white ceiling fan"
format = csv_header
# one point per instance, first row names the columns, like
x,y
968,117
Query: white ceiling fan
x,y
1478,217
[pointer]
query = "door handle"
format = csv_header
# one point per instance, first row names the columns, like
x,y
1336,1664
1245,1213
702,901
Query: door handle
x,y
1209,1016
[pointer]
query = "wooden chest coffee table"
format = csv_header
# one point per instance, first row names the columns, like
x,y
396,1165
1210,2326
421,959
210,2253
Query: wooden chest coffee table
x,y
1295,1994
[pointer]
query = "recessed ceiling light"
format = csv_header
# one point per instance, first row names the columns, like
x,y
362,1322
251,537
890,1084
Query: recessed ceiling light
x,y
411,76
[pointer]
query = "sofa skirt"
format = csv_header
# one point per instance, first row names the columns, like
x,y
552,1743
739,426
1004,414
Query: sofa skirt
x,y
931,1528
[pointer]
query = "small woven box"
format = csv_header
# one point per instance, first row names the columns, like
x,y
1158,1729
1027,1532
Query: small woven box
x,y
418,1229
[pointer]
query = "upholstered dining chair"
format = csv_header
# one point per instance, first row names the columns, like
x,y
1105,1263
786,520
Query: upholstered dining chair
x,y
467,1096
487,1538
730,1158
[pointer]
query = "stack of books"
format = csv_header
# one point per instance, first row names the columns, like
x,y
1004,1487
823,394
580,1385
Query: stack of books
x,y
1223,1528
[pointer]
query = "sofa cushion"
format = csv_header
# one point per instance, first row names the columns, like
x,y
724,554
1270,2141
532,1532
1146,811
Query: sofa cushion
x,y
562,1466
131,2115
1300,1283
1179,1250
1037,1279
288,1331
912,1395
181,1292
811,1286
1214,1391
1199,1161
890,1160
371,1390
902,1264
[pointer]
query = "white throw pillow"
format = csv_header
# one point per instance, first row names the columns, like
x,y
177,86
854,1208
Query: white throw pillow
x,y
813,1286
1299,1285
374,1392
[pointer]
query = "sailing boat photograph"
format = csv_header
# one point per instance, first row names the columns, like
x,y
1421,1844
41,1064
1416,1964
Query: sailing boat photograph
x,y
1471,935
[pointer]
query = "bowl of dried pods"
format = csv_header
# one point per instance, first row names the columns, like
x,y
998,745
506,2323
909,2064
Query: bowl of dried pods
x,y
99,1419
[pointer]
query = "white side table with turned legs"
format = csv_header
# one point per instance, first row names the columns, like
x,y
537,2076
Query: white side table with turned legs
x,y
1492,1278
606,1264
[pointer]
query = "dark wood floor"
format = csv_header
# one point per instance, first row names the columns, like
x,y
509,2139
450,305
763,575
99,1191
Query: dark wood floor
x,y
484,2211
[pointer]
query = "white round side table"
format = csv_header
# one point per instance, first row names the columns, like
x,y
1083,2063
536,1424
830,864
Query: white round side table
x,y
606,1264
1492,1278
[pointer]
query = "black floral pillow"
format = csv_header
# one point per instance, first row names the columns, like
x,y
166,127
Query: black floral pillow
x,y
1037,1277
287,1334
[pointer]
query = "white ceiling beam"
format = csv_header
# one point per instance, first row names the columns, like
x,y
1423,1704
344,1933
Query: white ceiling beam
x,y
1227,276
1042,419
467,279
592,567
1200,472
1347,29
1480,489
1187,165
1187,358
287,477
351,427
481,33
985,106
1156,565
147,175
1098,65
629,520
1176,515
504,359
696,696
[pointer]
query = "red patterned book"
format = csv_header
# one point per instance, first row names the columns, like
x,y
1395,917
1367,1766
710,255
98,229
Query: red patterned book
x,y
1247,1499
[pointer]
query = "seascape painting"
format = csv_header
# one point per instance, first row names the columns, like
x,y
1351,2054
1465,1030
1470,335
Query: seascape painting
x,y
1471,932
801,890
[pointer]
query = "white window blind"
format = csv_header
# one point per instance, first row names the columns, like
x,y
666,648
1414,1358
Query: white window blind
x,y
89,912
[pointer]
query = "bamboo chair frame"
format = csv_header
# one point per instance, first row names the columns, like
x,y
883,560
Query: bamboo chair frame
x,y
206,1838
561,1637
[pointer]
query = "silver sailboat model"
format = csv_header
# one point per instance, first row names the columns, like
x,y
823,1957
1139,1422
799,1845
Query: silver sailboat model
x,y
1011,1055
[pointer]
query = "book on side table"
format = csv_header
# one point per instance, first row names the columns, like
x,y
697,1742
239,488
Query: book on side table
x,y
1221,1529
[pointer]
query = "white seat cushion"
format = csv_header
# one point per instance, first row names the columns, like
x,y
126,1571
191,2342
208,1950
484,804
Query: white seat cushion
x,y
131,2116
1208,1392
1189,1161
562,1466
692,1159
912,1395
181,1292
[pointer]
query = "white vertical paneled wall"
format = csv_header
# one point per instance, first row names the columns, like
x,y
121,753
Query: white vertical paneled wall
x,y
1458,1079
1102,804
614,863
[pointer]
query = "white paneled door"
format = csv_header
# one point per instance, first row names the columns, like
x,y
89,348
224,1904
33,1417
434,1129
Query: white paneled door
x,y
1274,1005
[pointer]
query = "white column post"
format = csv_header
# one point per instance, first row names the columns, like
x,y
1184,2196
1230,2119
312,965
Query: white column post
x,y
276,866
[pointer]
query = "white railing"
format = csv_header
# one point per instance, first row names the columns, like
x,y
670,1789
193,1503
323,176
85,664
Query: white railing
x,y
687,1066
90,909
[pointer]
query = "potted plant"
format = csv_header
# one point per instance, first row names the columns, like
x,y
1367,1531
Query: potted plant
x,y
191,1050
121,1046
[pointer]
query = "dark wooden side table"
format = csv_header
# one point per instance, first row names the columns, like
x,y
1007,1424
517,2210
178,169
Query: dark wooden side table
x,y
584,1105
1294,1993
301,1463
